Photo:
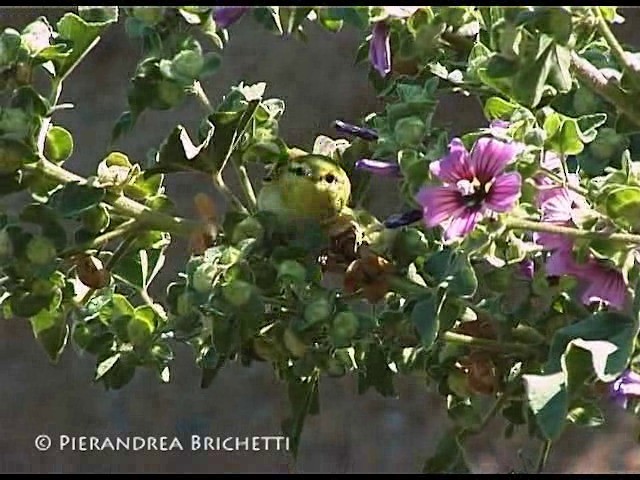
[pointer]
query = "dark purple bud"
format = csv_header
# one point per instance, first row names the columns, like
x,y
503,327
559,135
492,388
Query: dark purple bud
x,y
379,48
349,129
526,268
226,16
377,167
625,387
403,219
499,124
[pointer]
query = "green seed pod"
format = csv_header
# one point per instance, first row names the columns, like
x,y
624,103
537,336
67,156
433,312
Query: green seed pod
x,y
148,15
247,228
535,136
96,219
409,131
140,330
345,326
317,311
40,250
202,278
237,292
292,270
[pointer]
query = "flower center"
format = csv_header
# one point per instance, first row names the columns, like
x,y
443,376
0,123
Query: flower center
x,y
473,192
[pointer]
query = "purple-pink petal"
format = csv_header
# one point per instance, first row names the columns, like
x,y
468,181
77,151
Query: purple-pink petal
x,y
560,263
552,241
439,203
226,16
378,167
504,192
454,167
462,223
489,157
551,161
603,284
379,48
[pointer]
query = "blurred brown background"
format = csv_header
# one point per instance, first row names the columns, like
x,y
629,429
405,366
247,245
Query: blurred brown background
x,y
319,83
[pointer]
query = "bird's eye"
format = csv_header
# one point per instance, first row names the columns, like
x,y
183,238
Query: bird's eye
x,y
299,171
330,178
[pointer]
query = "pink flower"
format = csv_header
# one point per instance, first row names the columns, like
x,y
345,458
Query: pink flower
x,y
598,282
379,48
474,185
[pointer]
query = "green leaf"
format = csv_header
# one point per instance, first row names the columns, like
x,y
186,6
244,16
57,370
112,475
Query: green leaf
x,y
121,306
139,267
604,327
9,46
376,373
27,99
48,220
548,399
464,282
568,135
328,20
210,361
59,144
229,128
74,199
454,270
554,21
425,318
623,205
586,414
530,80
11,183
305,400
498,108
560,74
449,456
268,17
210,65
13,153
291,18
51,331
83,37
178,153
27,304
107,364
101,15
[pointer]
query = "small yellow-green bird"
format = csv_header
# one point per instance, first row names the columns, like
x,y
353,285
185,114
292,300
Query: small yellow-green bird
x,y
314,187
308,186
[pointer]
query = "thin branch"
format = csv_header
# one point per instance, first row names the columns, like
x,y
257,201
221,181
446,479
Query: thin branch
x,y
593,78
247,186
544,456
145,216
127,227
616,49
521,224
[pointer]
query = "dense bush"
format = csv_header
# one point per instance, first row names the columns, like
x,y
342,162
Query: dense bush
x,y
507,282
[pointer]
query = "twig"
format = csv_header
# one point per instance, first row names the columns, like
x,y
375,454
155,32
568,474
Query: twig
x,y
544,456
520,224
592,78
616,49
